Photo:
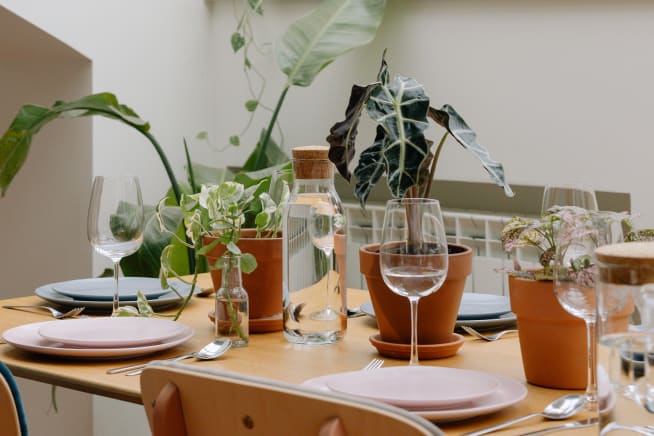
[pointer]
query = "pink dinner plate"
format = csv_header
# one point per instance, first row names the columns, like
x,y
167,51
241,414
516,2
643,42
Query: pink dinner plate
x,y
414,387
508,393
26,337
118,331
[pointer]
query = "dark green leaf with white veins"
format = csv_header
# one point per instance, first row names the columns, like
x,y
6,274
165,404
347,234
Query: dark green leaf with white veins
x,y
448,118
370,168
400,108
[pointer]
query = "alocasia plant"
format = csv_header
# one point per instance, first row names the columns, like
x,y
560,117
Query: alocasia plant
x,y
401,110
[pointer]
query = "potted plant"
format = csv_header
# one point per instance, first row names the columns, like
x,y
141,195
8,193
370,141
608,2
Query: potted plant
x,y
401,110
552,341
213,222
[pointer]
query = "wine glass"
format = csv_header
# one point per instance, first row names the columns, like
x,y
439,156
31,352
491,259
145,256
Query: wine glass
x,y
323,222
568,195
115,220
580,233
413,253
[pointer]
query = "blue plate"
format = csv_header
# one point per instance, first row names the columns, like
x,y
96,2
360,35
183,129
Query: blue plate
x,y
102,289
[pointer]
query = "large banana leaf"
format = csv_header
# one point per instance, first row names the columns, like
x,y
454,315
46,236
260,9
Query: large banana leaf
x,y
15,143
333,28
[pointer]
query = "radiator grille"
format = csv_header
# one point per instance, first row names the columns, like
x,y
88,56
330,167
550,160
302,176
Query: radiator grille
x,y
481,232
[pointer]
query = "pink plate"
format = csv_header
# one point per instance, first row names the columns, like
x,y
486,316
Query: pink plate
x,y
508,393
26,337
117,331
416,386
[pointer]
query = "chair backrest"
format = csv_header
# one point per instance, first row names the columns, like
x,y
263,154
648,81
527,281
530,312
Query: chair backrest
x,y
12,415
184,400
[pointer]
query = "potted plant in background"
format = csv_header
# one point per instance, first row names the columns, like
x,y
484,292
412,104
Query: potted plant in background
x,y
552,341
213,222
401,110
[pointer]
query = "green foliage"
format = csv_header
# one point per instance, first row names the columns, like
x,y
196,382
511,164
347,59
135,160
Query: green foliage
x,y
400,109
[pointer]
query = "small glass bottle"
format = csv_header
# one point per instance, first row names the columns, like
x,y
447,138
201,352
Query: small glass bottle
x,y
314,245
232,305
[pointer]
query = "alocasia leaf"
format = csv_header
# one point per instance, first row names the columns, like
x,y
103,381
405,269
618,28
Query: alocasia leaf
x,y
343,134
400,108
448,118
370,168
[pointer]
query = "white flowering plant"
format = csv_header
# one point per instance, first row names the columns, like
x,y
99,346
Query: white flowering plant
x,y
558,227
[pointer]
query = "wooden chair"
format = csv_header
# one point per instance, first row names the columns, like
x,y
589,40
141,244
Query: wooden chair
x,y
184,400
12,415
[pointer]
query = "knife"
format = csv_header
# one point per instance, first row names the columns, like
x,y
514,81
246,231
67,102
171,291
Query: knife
x,y
567,426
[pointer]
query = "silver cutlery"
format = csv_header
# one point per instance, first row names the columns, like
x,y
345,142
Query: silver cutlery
x,y
489,338
55,313
561,408
373,364
646,430
210,351
355,313
567,426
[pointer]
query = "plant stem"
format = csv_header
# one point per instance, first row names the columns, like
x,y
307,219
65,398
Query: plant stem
x,y
432,169
269,129
191,176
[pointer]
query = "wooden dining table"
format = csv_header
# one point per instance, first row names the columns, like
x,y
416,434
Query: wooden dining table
x,y
269,355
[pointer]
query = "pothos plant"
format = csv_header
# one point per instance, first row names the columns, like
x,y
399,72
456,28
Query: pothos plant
x,y
544,235
401,110
219,212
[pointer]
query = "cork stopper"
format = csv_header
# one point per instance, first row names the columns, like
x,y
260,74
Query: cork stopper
x,y
628,263
312,162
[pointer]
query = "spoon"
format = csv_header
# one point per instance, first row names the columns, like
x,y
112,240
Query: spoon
x,y
210,351
561,408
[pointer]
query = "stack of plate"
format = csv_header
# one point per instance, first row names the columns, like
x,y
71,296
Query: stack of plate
x,y
481,311
115,337
97,294
435,393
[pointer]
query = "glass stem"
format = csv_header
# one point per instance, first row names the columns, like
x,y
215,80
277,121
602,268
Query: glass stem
x,y
591,386
413,301
328,270
116,294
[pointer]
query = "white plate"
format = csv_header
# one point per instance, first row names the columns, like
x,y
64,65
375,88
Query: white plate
x,y
483,306
415,387
102,289
509,392
111,332
26,337
491,323
168,299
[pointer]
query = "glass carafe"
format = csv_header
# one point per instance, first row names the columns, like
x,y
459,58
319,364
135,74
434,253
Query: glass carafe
x,y
314,253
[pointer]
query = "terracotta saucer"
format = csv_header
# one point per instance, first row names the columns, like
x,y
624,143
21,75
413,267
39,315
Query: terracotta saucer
x,y
260,325
425,351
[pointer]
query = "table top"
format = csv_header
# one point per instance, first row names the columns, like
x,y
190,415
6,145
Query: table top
x,y
270,355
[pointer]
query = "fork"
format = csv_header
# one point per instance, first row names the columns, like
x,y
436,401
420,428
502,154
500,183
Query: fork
x,y
55,313
373,364
489,338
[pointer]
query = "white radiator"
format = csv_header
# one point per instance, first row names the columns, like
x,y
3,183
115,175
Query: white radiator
x,y
481,232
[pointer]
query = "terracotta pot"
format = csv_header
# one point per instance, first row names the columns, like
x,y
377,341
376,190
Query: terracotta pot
x,y
264,284
552,342
437,312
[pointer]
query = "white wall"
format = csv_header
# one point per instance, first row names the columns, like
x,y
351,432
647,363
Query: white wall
x,y
558,90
